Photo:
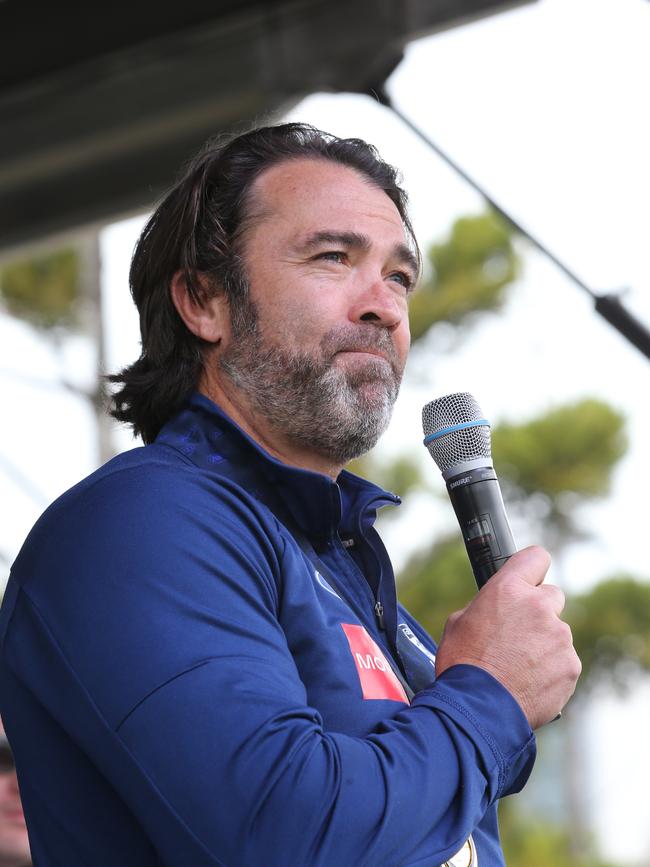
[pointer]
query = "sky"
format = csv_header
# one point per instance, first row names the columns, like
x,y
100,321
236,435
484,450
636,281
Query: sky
x,y
546,106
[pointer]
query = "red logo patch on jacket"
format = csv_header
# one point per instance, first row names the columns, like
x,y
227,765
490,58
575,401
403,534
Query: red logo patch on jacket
x,y
375,674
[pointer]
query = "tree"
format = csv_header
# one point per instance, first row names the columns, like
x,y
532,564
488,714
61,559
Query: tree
x,y
468,273
535,843
436,582
549,466
611,631
58,292
565,456
44,289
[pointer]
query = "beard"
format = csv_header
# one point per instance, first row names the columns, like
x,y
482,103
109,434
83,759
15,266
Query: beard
x,y
338,413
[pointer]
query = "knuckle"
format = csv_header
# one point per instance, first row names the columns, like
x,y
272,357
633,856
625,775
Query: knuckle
x,y
563,639
573,667
577,665
539,604
451,621
559,594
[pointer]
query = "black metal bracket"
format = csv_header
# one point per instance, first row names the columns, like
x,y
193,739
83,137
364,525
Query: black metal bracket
x,y
609,306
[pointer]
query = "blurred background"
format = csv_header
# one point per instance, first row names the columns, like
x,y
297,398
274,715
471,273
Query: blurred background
x,y
542,103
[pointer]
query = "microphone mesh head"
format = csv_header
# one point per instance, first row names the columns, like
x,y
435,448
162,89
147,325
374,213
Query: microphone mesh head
x,y
456,446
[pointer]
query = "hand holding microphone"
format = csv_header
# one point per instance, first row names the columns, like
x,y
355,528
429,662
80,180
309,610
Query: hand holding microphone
x,y
512,628
458,439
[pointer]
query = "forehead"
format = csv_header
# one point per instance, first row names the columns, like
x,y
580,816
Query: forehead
x,y
307,195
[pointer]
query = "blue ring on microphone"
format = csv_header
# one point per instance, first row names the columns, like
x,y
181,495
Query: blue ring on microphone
x,y
481,422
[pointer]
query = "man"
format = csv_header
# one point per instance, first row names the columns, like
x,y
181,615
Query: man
x,y
203,636
14,844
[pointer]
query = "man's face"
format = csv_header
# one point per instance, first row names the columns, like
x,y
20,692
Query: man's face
x,y
14,843
320,349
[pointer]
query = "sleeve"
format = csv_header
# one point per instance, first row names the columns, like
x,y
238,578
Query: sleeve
x,y
166,611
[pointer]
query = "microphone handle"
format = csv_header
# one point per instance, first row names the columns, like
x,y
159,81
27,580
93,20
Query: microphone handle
x,y
478,504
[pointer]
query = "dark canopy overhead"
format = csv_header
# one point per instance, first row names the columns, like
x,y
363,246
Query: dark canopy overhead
x,y
101,103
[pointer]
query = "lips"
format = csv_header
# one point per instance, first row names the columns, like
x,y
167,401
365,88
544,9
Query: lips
x,y
368,358
370,341
365,351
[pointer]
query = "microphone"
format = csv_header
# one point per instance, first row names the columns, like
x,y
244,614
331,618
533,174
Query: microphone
x,y
458,439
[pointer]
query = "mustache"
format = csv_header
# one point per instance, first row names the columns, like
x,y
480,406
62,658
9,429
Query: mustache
x,y
359,338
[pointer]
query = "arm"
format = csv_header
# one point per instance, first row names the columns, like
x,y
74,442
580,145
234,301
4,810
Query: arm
x,y
166,617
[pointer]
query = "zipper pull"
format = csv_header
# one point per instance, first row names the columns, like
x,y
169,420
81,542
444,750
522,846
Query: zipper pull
x,y
379,614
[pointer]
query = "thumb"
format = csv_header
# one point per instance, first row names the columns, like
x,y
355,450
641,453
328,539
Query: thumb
x,y
530,565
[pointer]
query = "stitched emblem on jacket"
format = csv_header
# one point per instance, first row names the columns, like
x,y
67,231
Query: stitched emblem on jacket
x,y
412,637
376,677
323,583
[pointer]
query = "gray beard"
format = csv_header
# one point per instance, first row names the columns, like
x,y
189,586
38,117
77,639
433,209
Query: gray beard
x,y
307,398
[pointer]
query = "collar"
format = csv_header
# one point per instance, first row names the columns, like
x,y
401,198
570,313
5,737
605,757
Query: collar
x,y
208,437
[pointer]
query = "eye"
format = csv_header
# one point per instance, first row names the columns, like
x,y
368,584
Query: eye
x,y
332,256
404,278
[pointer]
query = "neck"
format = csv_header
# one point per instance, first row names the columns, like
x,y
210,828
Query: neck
x,y
235,405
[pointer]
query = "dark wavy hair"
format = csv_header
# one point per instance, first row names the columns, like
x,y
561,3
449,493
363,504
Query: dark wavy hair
x,y
198,229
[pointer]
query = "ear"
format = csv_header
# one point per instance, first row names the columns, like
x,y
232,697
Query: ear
x,y
208,318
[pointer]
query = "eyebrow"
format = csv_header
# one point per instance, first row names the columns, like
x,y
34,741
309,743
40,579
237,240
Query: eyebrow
x,y
357,241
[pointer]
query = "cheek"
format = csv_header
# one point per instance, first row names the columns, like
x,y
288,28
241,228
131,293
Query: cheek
x,y
296,321
403,338
281,325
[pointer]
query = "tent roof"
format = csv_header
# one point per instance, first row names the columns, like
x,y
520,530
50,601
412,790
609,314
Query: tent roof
x,y
101,103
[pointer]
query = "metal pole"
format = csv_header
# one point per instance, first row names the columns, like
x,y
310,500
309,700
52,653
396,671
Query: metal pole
x,y
609,306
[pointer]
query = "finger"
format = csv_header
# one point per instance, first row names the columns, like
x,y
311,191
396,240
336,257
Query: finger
x,y
451,620
555,596
530,565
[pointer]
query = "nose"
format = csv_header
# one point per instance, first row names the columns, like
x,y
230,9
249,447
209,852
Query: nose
x,y
379,304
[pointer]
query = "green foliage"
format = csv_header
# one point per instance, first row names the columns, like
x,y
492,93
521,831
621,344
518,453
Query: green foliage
x,y
566,455
44,290
470,271
399,475
558,460
437,582
610,622
611,631
571,448
534,843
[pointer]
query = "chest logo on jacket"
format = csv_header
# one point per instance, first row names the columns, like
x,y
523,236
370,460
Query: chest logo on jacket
x,y
415,641
376,677
323,583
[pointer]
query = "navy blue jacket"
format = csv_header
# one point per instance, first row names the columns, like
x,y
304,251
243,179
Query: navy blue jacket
x,y
203,663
